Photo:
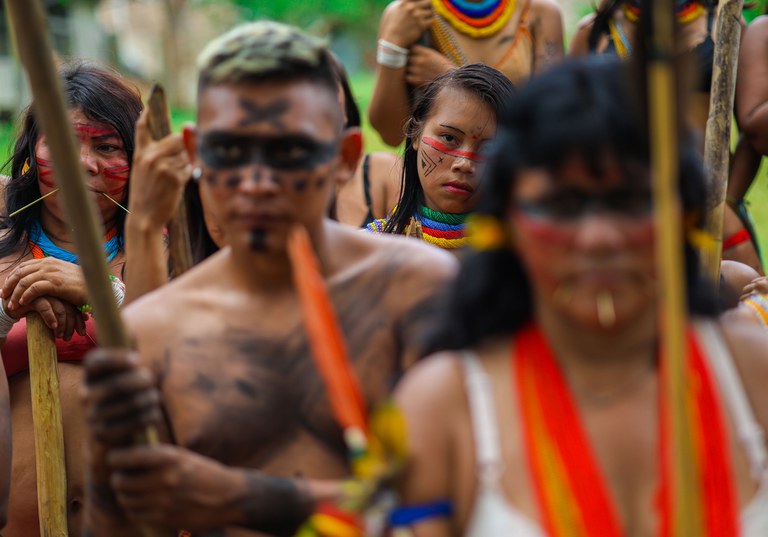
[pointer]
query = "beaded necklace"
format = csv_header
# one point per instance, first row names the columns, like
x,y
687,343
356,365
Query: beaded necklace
x,y
685,10
42,246
476,19
442,229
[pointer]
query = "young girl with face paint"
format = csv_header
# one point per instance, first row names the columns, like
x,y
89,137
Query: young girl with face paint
x,y
542,413
451,124
39,272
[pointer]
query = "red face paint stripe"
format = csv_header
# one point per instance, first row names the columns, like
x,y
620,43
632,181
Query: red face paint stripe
x,y
434,144
44,163
95,132
117,169
544,231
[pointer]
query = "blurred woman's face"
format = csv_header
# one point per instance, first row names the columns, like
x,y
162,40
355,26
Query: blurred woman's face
x,y
586,241
448,150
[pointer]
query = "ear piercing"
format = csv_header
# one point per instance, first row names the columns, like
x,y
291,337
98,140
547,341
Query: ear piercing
x,y
197,173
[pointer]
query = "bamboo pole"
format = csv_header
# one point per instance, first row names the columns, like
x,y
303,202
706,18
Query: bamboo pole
x,y
27,19
178,231
669,253
717,145
50,464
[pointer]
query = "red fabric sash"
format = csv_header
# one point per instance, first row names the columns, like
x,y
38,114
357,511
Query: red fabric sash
x,y
572,494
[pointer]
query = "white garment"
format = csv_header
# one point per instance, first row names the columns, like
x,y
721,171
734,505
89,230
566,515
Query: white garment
x,y
493,515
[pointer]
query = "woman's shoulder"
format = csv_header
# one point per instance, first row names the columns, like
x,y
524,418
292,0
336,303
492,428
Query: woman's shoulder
x,y
546,8
748,345
435,383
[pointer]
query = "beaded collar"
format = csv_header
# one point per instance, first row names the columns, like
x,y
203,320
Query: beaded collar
x,y
442,229
685,10
475,19
42,246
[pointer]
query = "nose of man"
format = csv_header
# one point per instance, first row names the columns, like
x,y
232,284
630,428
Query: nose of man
x,y
259,180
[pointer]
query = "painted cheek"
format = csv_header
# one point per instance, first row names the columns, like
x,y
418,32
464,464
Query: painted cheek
x,y
543,232
455,153
45,172
116,173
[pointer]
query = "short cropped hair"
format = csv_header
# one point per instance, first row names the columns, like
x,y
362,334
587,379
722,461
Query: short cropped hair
x,y
265,51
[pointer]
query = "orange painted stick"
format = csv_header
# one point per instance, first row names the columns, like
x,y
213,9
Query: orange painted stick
x,y
325,338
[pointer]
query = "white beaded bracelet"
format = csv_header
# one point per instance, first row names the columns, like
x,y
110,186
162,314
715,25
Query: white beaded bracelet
x,y
6,321
393,48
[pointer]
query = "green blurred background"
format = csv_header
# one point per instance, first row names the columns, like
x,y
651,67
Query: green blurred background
x,y
158,40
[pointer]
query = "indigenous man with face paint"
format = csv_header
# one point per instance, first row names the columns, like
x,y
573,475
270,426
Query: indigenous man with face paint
x,y
222,354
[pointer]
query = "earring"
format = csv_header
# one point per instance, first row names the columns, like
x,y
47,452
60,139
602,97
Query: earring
x,y
25,167
197,173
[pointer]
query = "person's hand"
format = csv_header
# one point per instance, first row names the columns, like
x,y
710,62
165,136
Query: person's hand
x,y
405,21
120,396
424,64
49,276
159,173
169,486
60,316
759,285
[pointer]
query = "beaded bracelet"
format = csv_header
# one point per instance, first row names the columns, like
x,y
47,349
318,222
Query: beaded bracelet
x,y
6,321
118,289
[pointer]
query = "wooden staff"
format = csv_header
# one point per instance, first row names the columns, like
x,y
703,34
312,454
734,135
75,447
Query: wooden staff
x,y
669,253
178,231
49,432
717,145
27,19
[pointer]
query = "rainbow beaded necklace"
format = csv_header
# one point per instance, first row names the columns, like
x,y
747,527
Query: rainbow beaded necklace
x,y
442,229
476,19
685,10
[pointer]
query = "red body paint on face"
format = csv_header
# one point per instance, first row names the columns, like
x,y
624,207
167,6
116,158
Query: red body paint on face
x,y
89,131
118,175
455,153
546,231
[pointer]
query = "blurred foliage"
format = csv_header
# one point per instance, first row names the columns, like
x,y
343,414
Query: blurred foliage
x,y
350,17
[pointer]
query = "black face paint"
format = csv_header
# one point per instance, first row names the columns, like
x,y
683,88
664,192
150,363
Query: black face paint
x,y
428,165
300,185
258,240
271,113
285,153
320,184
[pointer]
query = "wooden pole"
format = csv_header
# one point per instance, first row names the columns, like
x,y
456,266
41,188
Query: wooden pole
x,y
50,465
27,19
669,253
717,145
178,231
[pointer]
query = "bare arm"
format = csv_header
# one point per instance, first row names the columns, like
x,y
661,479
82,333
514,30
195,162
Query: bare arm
x,y
579,45
752,85
386,173
5,446
547,34
158,175
429,396
402,24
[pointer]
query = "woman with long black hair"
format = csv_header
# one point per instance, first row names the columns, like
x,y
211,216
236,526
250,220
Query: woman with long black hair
x,y
452,122
542,410
39,270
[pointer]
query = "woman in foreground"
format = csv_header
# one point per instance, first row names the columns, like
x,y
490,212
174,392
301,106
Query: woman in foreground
x,y
540,414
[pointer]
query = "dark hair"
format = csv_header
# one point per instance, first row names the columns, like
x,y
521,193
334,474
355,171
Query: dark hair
x,y
351,109
266,51
603,17
103,96
585,108
200,240
486,84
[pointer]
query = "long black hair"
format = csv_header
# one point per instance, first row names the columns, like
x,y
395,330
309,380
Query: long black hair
x,y
583,107
603,16
486,84
103,96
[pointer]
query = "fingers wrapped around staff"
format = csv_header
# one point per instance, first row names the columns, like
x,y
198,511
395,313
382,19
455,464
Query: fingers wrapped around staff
x,y
120,396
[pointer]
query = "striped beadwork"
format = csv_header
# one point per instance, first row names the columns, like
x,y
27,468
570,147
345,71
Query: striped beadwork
x,y
685,10
477,20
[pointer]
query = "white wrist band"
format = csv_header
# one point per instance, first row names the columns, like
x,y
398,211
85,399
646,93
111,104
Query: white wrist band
x,y
6,321
390,55
393,48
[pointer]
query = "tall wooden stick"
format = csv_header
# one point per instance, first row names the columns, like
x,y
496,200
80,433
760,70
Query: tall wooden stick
x,y
717,146
178,231
49,431
27,19
669,253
